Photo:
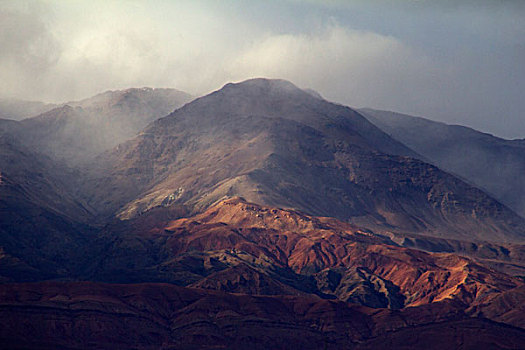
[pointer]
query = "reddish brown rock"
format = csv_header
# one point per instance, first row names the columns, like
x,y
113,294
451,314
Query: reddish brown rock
x,y
50,315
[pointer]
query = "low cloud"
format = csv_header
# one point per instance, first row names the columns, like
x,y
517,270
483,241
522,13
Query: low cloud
x,y
29,50
355,67
462,66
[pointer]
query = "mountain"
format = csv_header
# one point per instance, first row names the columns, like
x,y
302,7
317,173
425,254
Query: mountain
x,y
241,247
492,163
275,144
46,229
51,315
46,182
126,112
19,109
77,131
42,225
250,276
258,216
505,257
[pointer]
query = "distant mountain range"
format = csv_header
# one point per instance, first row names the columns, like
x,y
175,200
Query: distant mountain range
x,y
77,131
260,215
15,109
492,163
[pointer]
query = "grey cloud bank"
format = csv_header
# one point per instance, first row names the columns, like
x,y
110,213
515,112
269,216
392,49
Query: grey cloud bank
x,y
457,62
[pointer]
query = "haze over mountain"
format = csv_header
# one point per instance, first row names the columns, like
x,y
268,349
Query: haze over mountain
x,y
259,210
492,163
462,65
42,225
255,213
20,109
76,131
273,143
44,230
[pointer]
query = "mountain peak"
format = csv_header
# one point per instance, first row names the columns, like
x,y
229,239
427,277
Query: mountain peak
x,y
263,87
149,95
264,83
292,150
272,87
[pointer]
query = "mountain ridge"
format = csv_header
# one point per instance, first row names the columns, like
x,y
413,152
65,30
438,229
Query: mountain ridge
x,y
259,215
76,131
273,143
491,163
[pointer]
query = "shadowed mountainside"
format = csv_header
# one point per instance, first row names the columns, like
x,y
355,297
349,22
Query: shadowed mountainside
x,y
492,163
45,228
42,225
150,316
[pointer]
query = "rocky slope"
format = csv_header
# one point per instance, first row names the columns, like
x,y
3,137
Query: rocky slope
x,y
259,276
507,258
241,247
275,144
492,163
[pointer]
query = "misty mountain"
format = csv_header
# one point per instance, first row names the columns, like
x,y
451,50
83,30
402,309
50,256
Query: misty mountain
x,y
20,109
77,131
129,111
257,214
42,226
492,163
275,144
260,203
44,230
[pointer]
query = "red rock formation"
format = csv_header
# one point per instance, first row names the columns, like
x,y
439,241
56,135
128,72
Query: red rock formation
x,y
309,244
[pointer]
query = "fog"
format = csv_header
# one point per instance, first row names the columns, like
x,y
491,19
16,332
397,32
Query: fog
x,y
457,62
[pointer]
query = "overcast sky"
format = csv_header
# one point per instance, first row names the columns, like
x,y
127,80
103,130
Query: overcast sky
x,y
455,61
